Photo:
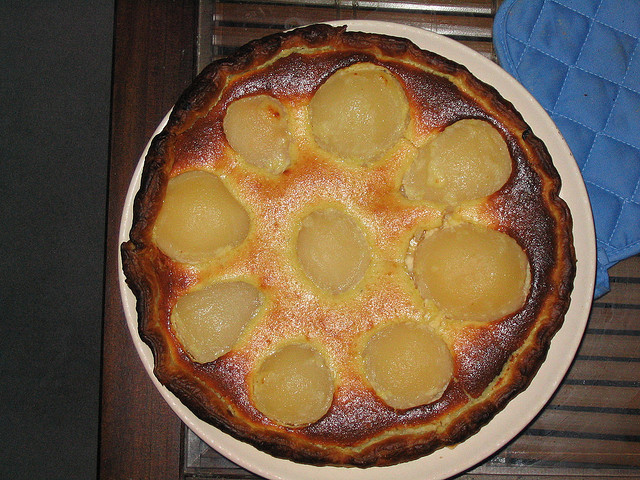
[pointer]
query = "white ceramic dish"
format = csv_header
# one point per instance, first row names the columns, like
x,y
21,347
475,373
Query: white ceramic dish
x,y
520,411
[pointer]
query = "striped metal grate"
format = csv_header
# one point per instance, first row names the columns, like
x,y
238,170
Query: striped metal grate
x,y
225,25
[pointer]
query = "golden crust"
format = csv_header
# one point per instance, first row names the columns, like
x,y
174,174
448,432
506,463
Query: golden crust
x,y
493,361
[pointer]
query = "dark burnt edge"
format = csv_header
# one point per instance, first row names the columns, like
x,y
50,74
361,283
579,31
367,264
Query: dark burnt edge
x,y
563,222
196,98
202,91
209,82
277,444
380,453
192,395
273,443
399,47
142,289
151,187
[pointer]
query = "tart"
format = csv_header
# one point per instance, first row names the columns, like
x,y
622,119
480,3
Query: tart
x,y
347,250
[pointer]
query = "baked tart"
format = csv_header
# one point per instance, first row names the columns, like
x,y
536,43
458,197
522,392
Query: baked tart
x,y
346,250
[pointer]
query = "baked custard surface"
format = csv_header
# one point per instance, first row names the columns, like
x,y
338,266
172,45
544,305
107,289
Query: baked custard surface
x,y
346,250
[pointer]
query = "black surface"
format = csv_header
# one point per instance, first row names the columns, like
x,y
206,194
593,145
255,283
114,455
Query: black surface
x,y
55,76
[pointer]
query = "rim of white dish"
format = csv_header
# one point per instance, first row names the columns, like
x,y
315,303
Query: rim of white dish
x,y
447,461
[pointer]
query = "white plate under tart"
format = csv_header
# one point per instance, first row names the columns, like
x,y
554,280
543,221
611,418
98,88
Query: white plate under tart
x,y
521,410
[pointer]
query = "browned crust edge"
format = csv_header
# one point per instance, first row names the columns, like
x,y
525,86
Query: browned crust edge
x,y
142,279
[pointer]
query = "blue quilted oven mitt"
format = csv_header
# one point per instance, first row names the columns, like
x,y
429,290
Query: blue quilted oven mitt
x,y
581,60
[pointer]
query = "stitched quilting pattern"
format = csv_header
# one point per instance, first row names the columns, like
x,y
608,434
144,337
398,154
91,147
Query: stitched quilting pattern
x,y
581,60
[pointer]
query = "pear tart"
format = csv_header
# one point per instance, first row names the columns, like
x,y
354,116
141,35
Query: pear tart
x,y
346,250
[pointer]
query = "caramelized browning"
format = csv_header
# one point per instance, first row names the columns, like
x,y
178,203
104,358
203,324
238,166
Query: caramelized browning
x,y
345,250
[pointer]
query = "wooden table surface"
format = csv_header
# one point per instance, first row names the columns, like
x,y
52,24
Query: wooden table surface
x,y
591,428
